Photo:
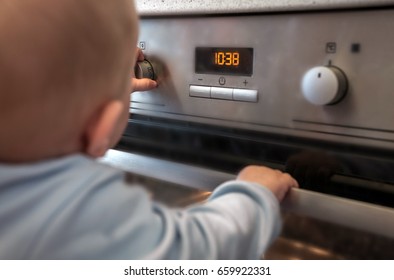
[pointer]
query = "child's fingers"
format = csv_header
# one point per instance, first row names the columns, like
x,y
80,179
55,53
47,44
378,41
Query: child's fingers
x,y
140,55
143,84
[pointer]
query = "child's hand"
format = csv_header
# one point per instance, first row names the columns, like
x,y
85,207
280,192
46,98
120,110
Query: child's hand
x,y
275,180
142,84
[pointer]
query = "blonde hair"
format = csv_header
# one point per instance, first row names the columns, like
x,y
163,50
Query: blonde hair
x,y
60,56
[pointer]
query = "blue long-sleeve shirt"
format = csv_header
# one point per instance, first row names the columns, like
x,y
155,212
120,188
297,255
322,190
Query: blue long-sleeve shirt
x,y
77,208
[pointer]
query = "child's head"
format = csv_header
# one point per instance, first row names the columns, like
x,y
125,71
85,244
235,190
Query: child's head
x,y
65,76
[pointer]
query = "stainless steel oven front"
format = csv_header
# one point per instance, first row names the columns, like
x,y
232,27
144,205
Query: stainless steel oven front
x,y
306,92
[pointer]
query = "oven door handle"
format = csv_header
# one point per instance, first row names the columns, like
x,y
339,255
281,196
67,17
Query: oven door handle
x,y
350,213
346,212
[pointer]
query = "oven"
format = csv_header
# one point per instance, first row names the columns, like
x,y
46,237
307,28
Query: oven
x,y
307,89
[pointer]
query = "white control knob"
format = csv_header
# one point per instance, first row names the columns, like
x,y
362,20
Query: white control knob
x,y
324,85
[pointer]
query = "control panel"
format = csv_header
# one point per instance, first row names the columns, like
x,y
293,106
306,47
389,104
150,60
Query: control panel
x,y
323,75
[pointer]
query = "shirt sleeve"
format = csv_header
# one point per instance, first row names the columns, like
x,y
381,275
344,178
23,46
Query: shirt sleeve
x,y
239,221
111,220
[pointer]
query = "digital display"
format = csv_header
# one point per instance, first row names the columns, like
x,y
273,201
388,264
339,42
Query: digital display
x,y
227,61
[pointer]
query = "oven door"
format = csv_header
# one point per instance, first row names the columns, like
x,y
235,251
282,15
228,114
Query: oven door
x,y
316,226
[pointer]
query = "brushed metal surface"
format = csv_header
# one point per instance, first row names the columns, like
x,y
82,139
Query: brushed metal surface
x,y
285,47
352,214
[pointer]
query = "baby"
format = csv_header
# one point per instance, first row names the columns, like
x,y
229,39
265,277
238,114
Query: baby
x,y
64,98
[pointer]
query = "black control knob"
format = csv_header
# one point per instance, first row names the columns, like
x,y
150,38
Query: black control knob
x,y
145,69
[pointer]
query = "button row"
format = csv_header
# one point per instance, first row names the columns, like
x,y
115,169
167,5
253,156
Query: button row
x,y
237,94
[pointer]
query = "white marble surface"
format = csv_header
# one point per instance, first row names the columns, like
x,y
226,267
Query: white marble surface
x,y
185,7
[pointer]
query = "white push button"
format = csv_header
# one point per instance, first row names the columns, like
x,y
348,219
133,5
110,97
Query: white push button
x,y
222,93
248,95
200,91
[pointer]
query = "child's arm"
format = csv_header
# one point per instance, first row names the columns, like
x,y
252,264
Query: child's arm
x,y
239,221
96,215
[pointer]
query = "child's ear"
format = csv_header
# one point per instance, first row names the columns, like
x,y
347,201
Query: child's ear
x,y
100,129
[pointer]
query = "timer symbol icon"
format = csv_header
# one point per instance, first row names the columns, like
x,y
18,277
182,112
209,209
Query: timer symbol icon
x,y
222,81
